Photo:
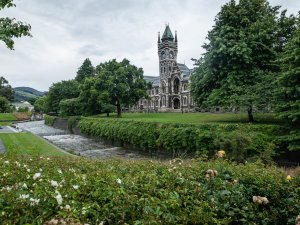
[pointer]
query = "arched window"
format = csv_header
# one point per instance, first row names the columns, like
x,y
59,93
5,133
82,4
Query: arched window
x,y
163,100
176,85
184,100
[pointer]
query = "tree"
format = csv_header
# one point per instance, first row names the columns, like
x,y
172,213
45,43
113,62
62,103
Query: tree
x,y
85,71
6,90
10,28
4,105
40,104
120,84
70,107
60,91
288,91
238,67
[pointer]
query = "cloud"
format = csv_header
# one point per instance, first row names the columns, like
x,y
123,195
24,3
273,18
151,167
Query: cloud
x,y
66,32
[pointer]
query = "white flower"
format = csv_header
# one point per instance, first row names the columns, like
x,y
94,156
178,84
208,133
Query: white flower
x,y
24,186
34,201
28,170
37,175
59,199
48,158
119,181
54,183
6,162
59,171
24,196
68,207
75,187
41,170
8,188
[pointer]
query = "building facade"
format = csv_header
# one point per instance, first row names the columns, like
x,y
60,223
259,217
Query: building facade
x,y
170,90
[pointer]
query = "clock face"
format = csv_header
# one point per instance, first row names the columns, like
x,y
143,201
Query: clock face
x,y
171,55
163,55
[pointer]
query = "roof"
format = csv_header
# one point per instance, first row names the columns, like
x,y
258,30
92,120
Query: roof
x,y
167,34
153,80
184,70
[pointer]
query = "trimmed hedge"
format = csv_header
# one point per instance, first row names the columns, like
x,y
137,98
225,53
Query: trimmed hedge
x,y
240,141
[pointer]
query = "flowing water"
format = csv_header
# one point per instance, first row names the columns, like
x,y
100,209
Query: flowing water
x,y
78,144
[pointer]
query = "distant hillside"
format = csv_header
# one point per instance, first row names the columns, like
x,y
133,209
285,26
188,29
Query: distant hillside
x,y
25,93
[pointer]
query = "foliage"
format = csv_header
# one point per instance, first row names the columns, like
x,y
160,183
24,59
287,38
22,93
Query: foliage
x,y
38,190
40,104
70,107
238,67
86,70
4,105
6,90
23,109
288,91
10,28
28,144
72,122
49,120
60,91
179,138
119,83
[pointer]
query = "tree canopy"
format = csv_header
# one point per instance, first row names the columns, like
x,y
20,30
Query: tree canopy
x,y
288,87
6,90
238,67
11,28
86,70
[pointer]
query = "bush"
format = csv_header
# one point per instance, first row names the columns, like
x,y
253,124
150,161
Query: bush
x,y
49,120
72,122
4,105
70,107
239,140
35,190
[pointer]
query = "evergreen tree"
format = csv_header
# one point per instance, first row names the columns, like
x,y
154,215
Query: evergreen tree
x,y
288,101
6,90
86,70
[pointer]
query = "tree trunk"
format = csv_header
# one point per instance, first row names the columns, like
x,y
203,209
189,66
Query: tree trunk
x,y
250,115
119,115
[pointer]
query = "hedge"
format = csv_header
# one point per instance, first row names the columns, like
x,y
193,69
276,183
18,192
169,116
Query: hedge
x,y
240,141
49,120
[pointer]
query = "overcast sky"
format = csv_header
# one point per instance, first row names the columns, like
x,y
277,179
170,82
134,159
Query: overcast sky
x,y
65,32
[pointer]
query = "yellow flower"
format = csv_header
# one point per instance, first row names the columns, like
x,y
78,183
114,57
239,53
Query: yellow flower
x,y
289,177
221,154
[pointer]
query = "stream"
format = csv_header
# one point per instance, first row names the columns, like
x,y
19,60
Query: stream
x,y
77,144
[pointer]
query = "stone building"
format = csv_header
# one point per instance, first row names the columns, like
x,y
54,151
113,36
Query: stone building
x,y
170,90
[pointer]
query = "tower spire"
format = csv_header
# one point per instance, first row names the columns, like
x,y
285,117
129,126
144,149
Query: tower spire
x,y
167,35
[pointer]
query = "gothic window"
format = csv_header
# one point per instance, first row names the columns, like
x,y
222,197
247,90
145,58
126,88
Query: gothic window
x,y
176,85
163,100
156,91
152,92
164,69
170,68
161,69
184,100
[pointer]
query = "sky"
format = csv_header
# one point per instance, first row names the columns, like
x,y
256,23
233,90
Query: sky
x,y
64,33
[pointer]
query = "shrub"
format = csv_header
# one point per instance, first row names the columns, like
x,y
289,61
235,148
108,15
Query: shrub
x,y
35,190
70,107
49,120
240,141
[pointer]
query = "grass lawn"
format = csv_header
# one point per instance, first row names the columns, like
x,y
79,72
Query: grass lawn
x,y
5,123
29,144
7,116
197,118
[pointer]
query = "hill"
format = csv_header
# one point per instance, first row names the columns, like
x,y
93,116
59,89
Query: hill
x,y
25,93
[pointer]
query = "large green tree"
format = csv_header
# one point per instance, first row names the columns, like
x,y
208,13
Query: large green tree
x,y
288,91
4,105
10,28
238,67
120,84
86,70
60,91
6,90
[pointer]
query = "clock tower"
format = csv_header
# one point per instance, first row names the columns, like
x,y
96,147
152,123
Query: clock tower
x,y
167,53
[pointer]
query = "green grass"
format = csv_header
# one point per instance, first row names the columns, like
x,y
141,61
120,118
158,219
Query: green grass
x,y
5,123
197,118
29,144
7,116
